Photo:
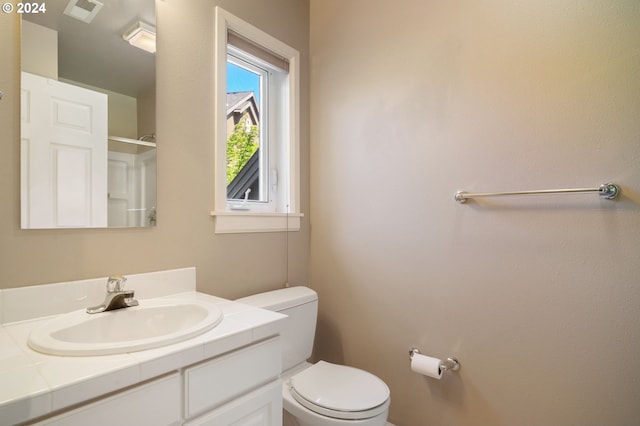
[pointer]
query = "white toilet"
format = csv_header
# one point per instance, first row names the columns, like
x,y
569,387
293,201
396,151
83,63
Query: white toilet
x,y
321,394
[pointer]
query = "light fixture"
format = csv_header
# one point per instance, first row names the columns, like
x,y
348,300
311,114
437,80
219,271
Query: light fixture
x,y
142,36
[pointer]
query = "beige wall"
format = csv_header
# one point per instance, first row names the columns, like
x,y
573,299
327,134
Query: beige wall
x,y
40,54
227,265
412,100
538,297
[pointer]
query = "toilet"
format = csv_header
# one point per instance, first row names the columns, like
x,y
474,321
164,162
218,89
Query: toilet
x,y
320,394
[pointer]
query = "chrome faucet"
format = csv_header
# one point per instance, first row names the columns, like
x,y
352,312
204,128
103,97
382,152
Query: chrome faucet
x,y
117,297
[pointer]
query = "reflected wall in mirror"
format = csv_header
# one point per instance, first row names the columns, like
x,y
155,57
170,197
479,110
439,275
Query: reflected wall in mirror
x,y
88,148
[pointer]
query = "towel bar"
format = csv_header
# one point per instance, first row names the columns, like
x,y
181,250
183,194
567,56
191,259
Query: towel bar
x,y
608,191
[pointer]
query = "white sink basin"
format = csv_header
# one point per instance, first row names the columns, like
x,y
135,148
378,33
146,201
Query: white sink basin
x,y
151,324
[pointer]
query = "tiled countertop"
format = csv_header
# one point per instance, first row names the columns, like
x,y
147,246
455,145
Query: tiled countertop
x,y
33,384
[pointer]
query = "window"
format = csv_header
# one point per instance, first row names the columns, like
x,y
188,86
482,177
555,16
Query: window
x,y
256,129
247,137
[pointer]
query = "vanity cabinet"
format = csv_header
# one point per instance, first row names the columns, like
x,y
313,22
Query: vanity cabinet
x,y
211,383
262,407
239,388
155,403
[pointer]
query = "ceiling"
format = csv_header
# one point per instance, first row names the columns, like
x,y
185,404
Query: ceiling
x,y
95,53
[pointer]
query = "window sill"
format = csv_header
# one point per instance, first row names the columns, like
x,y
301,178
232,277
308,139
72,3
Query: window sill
x,y
233,222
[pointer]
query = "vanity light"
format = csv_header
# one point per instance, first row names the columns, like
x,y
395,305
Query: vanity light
x,y
142,36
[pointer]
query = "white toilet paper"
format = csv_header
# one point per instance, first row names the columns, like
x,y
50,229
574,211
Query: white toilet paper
x,y
426,365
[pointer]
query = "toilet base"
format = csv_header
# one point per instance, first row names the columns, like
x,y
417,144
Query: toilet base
x,y
289,420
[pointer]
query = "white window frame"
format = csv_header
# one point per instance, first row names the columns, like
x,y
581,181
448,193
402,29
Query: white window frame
x,y
268,159
284,213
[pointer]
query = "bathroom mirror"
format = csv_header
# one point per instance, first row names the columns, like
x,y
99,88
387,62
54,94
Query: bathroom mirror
x,y
88,148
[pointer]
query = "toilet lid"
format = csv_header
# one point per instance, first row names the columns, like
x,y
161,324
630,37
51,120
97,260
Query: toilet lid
x,y
340,391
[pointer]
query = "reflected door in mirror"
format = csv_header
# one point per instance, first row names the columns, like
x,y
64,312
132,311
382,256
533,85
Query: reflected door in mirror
x,y
64,155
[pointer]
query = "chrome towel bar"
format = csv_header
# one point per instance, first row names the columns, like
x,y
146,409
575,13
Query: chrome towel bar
x,y
607,191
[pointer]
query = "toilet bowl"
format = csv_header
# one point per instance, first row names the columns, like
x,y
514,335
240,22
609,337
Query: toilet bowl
x,y
332,394
320,394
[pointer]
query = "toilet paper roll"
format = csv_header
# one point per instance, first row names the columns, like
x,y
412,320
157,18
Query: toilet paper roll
x,y
426,365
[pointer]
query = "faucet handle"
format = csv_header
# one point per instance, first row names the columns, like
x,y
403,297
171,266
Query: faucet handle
x,y
115,283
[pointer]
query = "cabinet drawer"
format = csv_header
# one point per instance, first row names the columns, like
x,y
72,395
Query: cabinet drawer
x,y
154,403
262,407
216,381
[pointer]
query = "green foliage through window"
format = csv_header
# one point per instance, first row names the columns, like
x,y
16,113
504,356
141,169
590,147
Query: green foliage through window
x,y
241,145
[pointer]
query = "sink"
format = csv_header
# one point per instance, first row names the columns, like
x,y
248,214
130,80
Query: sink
x,y
151,324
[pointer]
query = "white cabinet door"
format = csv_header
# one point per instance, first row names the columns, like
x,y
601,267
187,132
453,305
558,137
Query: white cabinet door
x,y
262,407
155,403
63,154
221,379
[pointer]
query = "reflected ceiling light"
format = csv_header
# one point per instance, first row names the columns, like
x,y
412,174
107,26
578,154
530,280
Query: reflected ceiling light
x,y
142,36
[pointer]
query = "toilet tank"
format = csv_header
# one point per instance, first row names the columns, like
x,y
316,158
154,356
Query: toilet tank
x,y
300,304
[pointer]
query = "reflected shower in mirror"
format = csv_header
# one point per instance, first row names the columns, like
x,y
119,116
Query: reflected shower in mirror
x,y
88,148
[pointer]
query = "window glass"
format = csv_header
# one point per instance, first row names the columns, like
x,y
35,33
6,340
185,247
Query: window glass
x,y
246,139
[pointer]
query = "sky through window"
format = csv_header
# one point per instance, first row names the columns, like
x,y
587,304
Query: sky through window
x,y
242,80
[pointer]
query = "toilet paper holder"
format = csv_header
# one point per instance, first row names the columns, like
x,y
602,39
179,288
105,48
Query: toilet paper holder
x,y
450,364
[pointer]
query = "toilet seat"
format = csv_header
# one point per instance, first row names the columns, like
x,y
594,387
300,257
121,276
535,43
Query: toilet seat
x,y
340,391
